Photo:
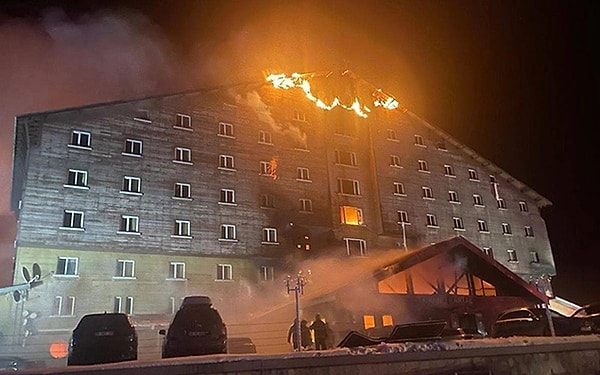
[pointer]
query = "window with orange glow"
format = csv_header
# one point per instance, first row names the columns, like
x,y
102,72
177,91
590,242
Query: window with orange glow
x,y
387,320
351,215
369,321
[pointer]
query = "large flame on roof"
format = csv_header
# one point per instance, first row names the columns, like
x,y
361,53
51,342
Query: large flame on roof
x,y
301,81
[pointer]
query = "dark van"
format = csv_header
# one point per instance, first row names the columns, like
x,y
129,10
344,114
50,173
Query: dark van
x,y
196,329
103,338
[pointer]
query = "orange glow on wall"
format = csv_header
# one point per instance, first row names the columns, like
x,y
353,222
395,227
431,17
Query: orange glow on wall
x,y
58,349
387,320
369,321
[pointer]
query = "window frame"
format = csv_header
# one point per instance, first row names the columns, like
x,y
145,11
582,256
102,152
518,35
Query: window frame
x,y
423,166
59,307
128,184
344,182
473,174
403,217
183,122
228,233
523,206
419,141
431,220
427,192
506,229
303,174
457,223
81,139
70,264
512,256
269,236
478,200
182,228
129,222
265,137
226,162
125,269
180,190
399,189
346,158
224,272
347,211
175,269
183,155
453,197
482,226
226,129
130,149
78,181
227,197
449,171
306,205
362,245
73,215
528,231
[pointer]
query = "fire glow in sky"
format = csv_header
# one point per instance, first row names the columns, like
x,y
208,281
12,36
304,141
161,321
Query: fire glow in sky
x,y
299,80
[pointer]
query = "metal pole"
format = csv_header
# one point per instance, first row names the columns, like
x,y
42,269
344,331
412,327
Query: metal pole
x,y
298,328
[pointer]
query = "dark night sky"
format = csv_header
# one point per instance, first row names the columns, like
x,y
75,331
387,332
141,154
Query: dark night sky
x,y
516,81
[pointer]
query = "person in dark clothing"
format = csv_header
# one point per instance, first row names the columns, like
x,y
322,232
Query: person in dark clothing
x,y
321,331
306,339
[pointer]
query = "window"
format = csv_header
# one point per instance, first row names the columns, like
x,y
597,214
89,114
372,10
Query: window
x,y
183,121
355,247
77,178
267,201
488,251
81,139
528,231
183,191
267,273
125,268
227,232
512,256
473,175
506,228
269,168
403,217
269,235
182,228
305,205
387,320
458,223
226,162
63,306
441,145
299,115
224,272
395,161
534,257
399,188
501,203
482,225
265,137
391,135
183,155
423,167
129,224
523,206
431,220
73,219
351,215
177,270
449,171
453,197
302,174
133,147
477,200
368,321
227,196
132,184
419,140
427,192
117,304
67,266
345,158
142,115
128,306
350,187
226,129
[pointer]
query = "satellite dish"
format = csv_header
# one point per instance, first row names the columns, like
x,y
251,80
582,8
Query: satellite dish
x,y
17,296
37,271
26,274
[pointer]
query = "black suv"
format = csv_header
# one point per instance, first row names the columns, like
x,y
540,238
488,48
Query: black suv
x,y
103,338
196,329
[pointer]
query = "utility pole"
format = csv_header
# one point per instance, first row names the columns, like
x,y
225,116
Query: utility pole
x,y
296,284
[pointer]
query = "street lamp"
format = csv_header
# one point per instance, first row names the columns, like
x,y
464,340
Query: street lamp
x,y
296,284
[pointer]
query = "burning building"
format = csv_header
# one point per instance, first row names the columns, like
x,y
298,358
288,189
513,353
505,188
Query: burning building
x,y
130,206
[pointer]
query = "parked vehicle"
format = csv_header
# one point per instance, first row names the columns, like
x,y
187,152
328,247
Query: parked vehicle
x,y
532,321
103,338
197,329
588,318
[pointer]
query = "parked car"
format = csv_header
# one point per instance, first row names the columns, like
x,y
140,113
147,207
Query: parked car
x,y
532,321
588,318
196,329
103,338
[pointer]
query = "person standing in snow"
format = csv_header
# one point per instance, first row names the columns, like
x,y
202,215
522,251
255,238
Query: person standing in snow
x,y
321,331
305,338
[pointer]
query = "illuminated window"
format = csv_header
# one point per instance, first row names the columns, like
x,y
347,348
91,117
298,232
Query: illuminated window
x,y
345,158
453,197
305,205
355,246
501,203
391,135
403,217
81,139
77,178
125,268
224,272
399,188
369,321
183,121
528,231
267,201
431,220
387,320
265,137
395,161
269,235
227,196
182,191
67,266
477,200
419,140
427,192
449,171
226,129
350,187
226,162
482,226
523,206
351,215
228,232
182,228
458,223
266,273
512,256
183,155
129,224
176,270
473,175
534,257
63,306
133,147
302,174
132,185
506,228
72,219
